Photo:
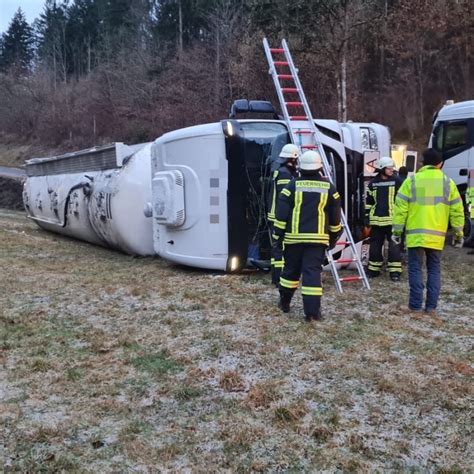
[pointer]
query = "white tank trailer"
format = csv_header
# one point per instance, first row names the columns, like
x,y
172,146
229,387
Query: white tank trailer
x,y
197,196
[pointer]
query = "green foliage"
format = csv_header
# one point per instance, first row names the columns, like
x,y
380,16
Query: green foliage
x,y
157,364
50,29
16,47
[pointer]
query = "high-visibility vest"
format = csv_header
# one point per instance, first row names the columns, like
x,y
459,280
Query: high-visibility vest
x,y
308,211
425,205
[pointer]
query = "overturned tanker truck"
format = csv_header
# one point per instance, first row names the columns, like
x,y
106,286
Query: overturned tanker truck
x,y
197,196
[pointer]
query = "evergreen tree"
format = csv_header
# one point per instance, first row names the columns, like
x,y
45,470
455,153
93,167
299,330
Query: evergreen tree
x,y
51,34
16,50
183,21
83,36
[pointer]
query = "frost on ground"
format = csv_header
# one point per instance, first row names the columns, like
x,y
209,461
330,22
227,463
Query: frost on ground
x,y
112,363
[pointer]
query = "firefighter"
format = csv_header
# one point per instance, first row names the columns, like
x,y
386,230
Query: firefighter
x,y
470,200
307,221
281,177
378,215
425,205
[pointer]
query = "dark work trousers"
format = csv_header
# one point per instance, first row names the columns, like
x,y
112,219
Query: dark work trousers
x,y
378,234
276,263
305,259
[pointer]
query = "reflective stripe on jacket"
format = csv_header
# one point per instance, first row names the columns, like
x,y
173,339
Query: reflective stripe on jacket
x,y
308,210
281,177
380,199
425,205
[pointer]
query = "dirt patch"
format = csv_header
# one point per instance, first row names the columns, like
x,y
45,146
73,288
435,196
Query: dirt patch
x,y
113,363
11,194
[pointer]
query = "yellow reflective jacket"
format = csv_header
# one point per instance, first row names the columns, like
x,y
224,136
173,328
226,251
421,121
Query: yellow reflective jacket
x,y
380,198
308,211
281,177
470,192
425,205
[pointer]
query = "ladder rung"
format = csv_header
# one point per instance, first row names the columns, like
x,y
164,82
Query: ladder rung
x,y
289,89
294,104
345,260
309,147
280,63
354,278
277,50
299,117
285,76
303,132
342,242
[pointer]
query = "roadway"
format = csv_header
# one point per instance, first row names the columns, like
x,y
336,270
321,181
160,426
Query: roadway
x,y
14,173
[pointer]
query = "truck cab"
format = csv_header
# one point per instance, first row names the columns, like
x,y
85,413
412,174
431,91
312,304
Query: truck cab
x,y
453,137
210,186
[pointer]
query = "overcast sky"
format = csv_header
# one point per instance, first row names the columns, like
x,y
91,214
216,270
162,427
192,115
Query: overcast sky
x,y
31,9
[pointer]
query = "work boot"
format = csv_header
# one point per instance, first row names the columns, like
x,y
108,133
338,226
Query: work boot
x,y
395,276
372,274
284,303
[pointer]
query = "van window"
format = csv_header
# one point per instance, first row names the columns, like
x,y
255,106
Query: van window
x,y
455,135
450,135
410,163
368,138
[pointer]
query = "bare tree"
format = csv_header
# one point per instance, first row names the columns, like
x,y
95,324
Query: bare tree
x,y
223,24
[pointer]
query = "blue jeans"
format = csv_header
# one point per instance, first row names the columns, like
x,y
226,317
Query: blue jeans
x,y
415,277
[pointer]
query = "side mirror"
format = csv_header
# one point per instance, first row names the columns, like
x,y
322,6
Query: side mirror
x,y
240,106
243,106
261,107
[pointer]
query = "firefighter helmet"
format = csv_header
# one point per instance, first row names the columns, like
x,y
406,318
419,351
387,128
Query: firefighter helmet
x,y
385,162
311,161
289,152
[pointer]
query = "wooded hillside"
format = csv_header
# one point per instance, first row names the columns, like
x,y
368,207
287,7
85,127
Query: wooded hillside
x,y
92,71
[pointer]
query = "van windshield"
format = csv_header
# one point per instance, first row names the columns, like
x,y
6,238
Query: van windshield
x,y
262,143
252,151
452,135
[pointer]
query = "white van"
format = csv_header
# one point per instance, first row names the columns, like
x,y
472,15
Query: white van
x,y
453,136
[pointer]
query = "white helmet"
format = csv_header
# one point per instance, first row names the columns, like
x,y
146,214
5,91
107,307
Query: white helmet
x,y
311,161
385,162
290,152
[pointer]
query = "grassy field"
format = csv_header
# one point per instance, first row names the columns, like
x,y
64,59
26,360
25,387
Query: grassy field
x,y
112,363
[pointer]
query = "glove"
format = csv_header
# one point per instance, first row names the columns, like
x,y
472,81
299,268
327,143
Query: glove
x,y
458,241
277,243
396,239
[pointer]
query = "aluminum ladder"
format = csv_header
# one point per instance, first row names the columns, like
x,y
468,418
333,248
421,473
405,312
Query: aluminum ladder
x,y
304,133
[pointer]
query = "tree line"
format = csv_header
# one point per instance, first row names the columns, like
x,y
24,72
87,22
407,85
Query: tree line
x,y
92,71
